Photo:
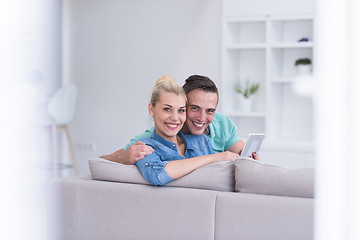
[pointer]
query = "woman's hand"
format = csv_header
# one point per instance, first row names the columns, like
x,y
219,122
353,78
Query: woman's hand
x,y
225,156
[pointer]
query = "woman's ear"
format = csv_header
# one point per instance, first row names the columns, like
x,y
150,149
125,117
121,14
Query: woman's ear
x,y
151,109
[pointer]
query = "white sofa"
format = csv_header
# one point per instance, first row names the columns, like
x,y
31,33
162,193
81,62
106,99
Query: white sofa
x,y
225,200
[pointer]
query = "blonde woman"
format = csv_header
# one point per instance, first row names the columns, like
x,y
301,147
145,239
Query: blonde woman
x,y
175,154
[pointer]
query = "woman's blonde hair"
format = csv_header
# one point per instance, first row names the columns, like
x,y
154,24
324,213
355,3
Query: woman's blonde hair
x,y
168,84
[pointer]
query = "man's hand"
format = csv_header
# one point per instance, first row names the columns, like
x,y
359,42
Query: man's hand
x,y
134,153
255,156
138,151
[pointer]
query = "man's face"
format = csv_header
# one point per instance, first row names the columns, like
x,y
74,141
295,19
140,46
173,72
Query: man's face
x,y
200,110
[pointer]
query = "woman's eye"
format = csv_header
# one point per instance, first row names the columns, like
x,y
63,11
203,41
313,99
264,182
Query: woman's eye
x,y
182,110
167,109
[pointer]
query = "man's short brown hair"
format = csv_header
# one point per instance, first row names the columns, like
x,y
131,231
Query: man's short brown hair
x,y
200,82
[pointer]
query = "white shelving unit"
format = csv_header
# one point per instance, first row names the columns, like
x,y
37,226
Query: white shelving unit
x,y
264,49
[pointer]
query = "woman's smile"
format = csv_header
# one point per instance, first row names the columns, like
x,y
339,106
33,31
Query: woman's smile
x,y
172,126
169,115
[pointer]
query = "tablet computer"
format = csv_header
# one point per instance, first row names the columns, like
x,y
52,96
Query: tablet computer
x,y
252,144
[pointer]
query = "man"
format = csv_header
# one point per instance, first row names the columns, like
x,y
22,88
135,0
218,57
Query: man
x,y
202,95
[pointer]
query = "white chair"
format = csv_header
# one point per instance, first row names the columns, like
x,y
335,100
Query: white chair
x,y
61,108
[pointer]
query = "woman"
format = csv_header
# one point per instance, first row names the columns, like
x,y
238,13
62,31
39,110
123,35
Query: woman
x,y
175,154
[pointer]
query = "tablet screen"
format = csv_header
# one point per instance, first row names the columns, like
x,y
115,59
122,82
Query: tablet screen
x,y
252,144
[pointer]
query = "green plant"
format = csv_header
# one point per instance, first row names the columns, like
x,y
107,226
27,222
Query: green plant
x,y
303,61
248,89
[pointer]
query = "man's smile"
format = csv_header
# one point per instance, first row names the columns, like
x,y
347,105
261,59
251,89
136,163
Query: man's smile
x,y
200,125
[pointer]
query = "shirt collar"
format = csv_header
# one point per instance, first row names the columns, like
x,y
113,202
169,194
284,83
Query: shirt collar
x,y
186,141
167,143
211,130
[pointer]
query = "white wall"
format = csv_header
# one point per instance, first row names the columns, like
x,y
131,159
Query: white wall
x,y
114,51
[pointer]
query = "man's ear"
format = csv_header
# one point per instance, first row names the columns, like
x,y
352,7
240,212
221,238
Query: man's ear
x,y
151,109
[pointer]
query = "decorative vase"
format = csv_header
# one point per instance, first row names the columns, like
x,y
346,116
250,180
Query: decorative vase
x,y
245,104
304,70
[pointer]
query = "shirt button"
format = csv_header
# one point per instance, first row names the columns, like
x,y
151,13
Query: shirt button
x,y
146,164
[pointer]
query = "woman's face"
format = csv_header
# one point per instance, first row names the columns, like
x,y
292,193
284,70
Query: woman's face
x,y
169,115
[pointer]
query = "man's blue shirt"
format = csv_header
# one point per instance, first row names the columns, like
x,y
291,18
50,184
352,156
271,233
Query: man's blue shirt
x,y
152,167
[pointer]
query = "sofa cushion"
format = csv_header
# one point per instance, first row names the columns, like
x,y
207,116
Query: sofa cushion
x,y
262,217
217,176
97,210
253,176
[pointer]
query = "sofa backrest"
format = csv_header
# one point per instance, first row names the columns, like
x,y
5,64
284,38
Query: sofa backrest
x,y
217,176
244,175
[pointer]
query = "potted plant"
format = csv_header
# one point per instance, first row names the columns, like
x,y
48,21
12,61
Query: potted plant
x,y
245,92
303,66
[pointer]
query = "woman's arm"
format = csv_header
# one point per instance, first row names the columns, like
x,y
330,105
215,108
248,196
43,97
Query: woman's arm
x,y
159,173
153,170
179,168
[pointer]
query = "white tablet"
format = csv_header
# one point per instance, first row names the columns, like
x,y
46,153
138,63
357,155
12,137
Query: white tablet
x,y
252,144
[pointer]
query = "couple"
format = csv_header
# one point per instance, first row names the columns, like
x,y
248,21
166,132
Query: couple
x,y
165,153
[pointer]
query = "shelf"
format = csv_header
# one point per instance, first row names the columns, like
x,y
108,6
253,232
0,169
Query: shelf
x,y
244,31
265,50
287,30
246,46
294,79
292,45
288,145
245,19
292,18
245,114
281,80
282,63
285,145
273,45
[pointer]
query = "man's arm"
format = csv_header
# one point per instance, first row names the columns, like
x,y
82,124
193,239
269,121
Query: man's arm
x,y
134,153
237,147
233,141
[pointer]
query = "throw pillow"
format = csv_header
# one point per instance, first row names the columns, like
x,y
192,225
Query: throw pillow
x,y
252,176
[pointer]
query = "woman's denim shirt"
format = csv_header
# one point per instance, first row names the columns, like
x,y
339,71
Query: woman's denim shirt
x,y
152,167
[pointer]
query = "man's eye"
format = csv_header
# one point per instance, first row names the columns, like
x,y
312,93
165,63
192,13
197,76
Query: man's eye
x,y
211,111
194,108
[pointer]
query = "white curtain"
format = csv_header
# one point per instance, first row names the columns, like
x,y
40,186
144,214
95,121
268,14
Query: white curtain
x,y
30,69
337,109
